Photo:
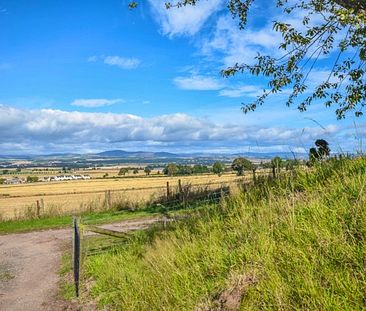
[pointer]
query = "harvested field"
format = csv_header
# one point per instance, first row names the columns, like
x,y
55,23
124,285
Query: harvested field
x,y
19,201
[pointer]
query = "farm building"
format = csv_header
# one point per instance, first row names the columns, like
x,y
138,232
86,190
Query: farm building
x,y
14,181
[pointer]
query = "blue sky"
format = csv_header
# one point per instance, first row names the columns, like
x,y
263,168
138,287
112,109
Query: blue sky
x,y
91,76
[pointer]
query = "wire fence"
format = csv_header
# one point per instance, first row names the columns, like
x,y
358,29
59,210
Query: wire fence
x,y
101,200
80,201
173,197
180,196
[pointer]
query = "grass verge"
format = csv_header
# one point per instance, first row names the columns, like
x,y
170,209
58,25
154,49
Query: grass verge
x,y
295,243
17,226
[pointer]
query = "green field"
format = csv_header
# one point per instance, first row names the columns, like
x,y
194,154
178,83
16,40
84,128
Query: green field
x,y
65,221
297,242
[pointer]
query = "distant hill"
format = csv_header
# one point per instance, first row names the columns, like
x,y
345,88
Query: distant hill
x,y
122,154
135,154
270,155
112,153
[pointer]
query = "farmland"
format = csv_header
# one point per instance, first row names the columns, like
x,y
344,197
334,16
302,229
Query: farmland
x,y
93,173
76,196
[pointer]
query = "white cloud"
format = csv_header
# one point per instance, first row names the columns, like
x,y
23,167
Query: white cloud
x,y
92,59
63,131
252,91
198,82
122,62
96,102
231,45
317,76
240,46
119,61
246,90
186,20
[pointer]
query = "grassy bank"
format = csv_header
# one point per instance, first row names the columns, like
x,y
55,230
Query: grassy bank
x,y
293,243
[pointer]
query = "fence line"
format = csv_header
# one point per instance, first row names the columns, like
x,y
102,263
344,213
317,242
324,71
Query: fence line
x,y
127,198
238,179
211,196
115,190
180,196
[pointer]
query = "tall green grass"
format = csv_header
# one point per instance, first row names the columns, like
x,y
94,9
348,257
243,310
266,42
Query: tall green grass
x,y
294,243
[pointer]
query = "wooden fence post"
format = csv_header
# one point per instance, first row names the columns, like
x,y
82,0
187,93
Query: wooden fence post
x,y
180,186
180,190
38,211
181,194
76,254
254,176
274,172
108,199
167,191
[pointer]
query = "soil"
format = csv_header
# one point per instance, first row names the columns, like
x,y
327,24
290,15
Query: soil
x,y
29,265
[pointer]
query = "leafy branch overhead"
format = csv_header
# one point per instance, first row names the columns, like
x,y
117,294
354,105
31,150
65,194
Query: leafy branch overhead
x,y
327,26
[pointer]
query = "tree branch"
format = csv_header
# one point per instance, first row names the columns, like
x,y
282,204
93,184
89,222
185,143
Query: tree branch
x,y
356,5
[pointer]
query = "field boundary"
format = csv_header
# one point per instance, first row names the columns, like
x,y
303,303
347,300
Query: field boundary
x,y
118,190
79,229
118,197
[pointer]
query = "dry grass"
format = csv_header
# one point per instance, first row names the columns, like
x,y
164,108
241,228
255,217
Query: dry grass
x,y
68,196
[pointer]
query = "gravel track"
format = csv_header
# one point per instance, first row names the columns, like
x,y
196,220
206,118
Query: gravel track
x,y
29,264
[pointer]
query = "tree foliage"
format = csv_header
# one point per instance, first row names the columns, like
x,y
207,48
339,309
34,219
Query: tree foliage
x,y
240,165
148,170
123,171
218,168
200,169
31,179
327,26
171,169
174,169
323,147
320,152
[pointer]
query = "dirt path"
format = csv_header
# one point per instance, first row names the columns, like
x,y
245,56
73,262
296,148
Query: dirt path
x,y
29,264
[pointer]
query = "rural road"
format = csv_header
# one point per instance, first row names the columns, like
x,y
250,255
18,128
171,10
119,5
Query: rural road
x,y
29,264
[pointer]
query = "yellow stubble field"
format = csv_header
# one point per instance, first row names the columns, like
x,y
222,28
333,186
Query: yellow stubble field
x,y
68,196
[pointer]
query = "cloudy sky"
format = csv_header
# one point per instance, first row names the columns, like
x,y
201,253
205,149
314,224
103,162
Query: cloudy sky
x,y
92,76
